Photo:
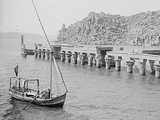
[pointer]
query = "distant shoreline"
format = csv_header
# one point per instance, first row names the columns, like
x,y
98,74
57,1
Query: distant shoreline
x,y
17,35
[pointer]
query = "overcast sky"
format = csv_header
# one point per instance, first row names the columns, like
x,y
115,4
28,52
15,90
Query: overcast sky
x,y
19,16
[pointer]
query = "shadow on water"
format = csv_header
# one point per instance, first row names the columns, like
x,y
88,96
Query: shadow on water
x,y
33,112
13,113
24,55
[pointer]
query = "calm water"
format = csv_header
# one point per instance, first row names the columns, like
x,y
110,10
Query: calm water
x,y
94,94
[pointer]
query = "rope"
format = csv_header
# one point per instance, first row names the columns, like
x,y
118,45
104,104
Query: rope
x,y
41,24
38,16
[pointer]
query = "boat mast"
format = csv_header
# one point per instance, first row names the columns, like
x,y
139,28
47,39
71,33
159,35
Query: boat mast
x,y
58,69
52,56
51,73
47,42
41,24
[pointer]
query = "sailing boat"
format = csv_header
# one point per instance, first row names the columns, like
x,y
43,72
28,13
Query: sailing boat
x,y
28,89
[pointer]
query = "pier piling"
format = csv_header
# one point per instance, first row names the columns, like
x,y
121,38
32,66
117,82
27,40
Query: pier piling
x,y
130,64
98,60
36,53
94,60
43,53
83,58
63,56
108,61
118,64
152,69
79,58
142,66
74,58
90,59
157,70
39,52
68,57
48,54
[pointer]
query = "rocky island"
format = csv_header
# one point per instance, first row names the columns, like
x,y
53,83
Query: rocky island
x,y
141,29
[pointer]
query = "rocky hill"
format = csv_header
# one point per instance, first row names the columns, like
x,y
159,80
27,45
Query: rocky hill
x,y
100,28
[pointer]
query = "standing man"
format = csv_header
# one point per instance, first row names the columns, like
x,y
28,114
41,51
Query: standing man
x,y
16,70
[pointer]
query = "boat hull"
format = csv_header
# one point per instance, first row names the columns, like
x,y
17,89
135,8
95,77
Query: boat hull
x,y
57,101
27,51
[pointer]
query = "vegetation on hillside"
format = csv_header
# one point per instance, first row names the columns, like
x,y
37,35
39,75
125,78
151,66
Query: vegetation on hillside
x,y
100,28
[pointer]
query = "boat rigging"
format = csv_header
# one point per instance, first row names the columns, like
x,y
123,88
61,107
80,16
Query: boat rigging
x,y
43,98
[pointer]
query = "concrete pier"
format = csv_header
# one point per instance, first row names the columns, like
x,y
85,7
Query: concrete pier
x,y
94,60
74,58
103,55
63,56
36,53
48,54
130,64
39,52
68,57
152,69
98,60
83,58
157,70
118,64
90,59
43,53
79,58
108,60
142,66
